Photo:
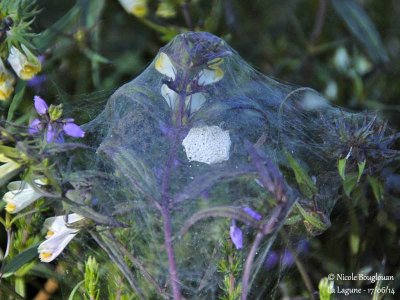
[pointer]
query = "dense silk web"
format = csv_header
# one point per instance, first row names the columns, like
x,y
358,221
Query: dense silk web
x,y
178,137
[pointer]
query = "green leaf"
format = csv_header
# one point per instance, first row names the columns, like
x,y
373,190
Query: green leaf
x,y
95,57
47,37
304,181
92,10
349,184
73,292
361,167
314,221
354,243
55,112
377,188
20,260
342,168
9,152
17,99
362,28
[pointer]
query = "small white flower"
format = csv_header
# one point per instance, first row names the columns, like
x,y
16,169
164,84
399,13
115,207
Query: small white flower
x,y
331,90
58,236
164,65
55,225
8,170
170,96
137,8
7,81
26,65
341,59
208,144
213,73
52,247
20,195
193,102
210,76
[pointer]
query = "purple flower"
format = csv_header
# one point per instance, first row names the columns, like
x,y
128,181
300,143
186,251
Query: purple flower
x,y
54,126
73,130
37,81
40,105
303,246
252,213
287,258
236,236
51,133
272,259
35,126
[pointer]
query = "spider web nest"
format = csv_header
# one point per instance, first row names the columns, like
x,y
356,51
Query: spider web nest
x,y
151,147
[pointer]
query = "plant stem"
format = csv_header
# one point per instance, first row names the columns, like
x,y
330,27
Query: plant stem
x,y
300,266
165,197
9,242
249,263
186,15
170,253
173,273
276,219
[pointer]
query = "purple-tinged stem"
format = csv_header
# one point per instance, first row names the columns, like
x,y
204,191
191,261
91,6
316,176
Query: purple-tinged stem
x,y
249,264
173,272
267,229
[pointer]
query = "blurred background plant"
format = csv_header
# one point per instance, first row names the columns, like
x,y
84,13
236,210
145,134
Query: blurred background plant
x,y
77,51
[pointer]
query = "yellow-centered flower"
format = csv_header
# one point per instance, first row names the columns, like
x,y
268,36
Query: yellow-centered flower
x,y
194,101
26,65
209,76
20,195
59,234
7,81
137,8
164,65
55,225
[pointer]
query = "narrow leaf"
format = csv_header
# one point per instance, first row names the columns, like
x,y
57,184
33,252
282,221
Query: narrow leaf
x,y
342,168
20,260
362,28
377,188
349,184
17,99
314,221
304,181
47,37
73,292
361,167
